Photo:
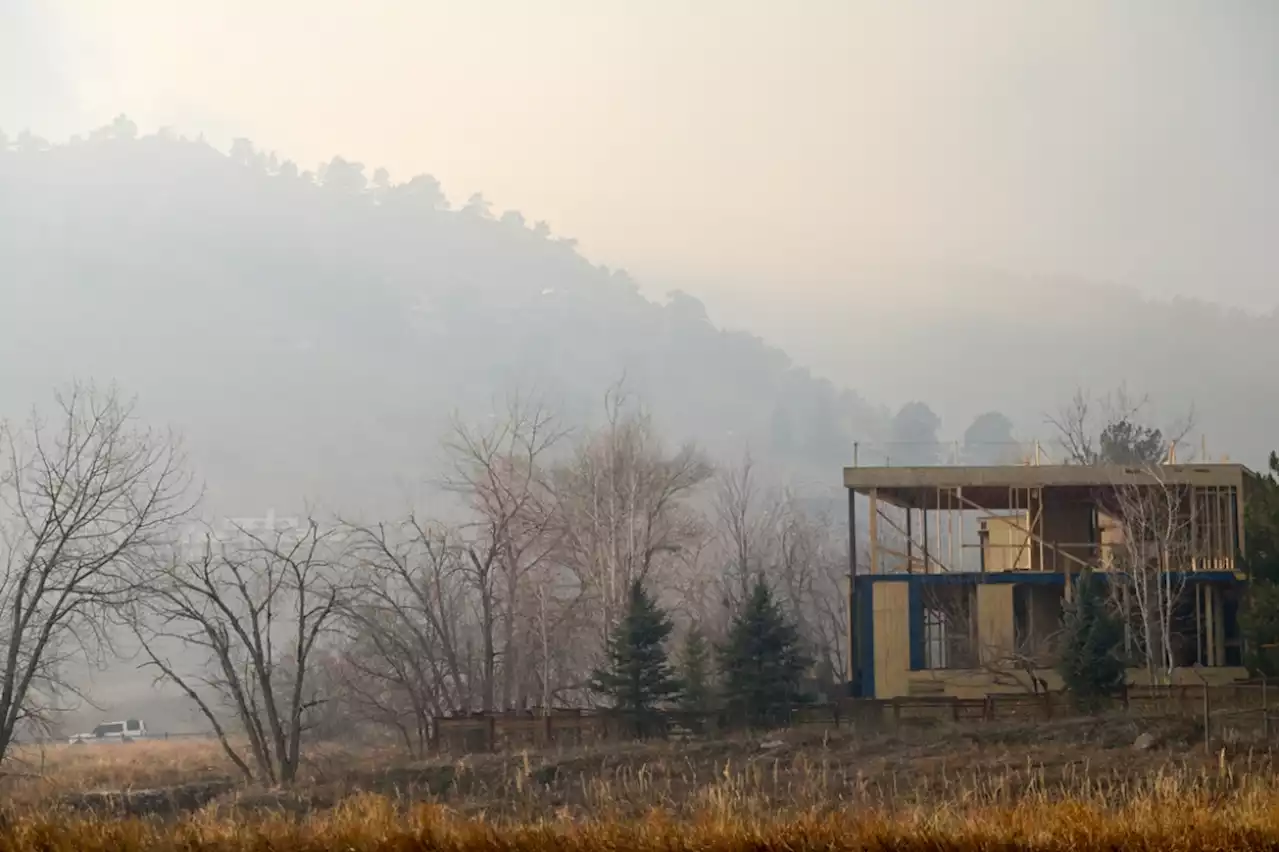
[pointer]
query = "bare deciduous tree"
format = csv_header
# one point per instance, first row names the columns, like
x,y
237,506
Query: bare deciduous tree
x,y
501,473
411,632
1109,430
811,563
622,507
257,608
746,515
1149,565
86,500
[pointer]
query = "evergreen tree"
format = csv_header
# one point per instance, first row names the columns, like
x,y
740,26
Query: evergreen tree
x,y
1261,546
695,673
761,662
1258,627
1127,442
637,677
1260,559
1089,659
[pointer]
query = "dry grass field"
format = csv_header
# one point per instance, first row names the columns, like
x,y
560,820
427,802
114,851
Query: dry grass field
x,y
1078,784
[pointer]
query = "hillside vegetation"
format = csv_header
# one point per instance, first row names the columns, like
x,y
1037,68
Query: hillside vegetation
x,y
282,318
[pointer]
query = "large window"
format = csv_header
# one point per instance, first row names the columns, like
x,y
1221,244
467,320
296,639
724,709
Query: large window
x,y
948,626
935,639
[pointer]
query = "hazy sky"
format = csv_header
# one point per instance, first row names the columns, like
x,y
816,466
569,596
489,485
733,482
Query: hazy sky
x,y
747,144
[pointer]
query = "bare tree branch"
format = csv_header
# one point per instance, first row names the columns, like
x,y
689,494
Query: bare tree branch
x,y
85,503
257,608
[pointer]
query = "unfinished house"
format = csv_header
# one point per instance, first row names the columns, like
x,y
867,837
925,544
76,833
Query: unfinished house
x,y
959,588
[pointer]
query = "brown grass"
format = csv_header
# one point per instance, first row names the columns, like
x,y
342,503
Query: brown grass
x,y
1065,786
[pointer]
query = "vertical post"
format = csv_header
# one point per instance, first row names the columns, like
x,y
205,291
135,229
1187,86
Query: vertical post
x,y
1204,687
855,453
924,536
1237,533
1038,531
851,665
873,542
910,540
1195,544
1266,717
951,533
1200,645
1210,627
937,530
1219,629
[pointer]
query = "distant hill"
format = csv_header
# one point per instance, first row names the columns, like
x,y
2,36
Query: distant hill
x,y
310,333
970,340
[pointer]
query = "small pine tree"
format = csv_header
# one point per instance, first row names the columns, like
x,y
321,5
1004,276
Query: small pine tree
x,y
761,662
695,673
1089,659
637,678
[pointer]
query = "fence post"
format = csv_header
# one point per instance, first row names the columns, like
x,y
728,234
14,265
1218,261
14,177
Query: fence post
x,y
491,732
1205,707
1266,715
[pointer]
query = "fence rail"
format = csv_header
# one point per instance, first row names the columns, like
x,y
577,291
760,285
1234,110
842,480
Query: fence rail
x,y
1216,705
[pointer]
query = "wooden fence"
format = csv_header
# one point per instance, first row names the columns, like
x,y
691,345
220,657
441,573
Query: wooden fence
x,y
1218,705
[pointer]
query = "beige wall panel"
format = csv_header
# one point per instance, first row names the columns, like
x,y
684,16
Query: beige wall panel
x,y
995,620
892,638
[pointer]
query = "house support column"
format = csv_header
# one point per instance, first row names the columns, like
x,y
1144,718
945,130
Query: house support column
x,y
873,533
1211,627
851,660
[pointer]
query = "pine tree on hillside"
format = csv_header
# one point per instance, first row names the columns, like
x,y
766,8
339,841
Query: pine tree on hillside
x,y
761,662
695,673
637,678
1089,660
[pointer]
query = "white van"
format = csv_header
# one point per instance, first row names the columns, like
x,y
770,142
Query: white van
x,y
113,732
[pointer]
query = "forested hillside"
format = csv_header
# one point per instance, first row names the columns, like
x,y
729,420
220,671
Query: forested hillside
x,y
310,332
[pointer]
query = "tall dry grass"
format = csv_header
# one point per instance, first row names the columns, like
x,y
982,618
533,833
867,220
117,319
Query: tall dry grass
x,y
1063,787
1172,813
